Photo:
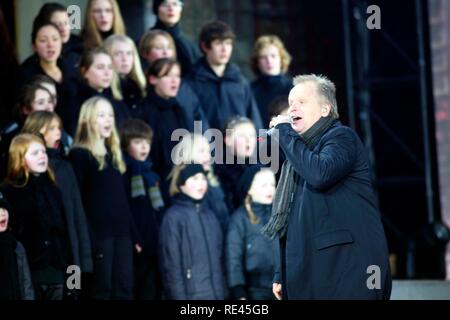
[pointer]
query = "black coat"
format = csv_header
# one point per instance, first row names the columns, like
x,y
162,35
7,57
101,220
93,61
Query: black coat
x,y
37,219
14,270
335,232
187,52
250,256
84,92
266,88
165,116
132,96
215,200
191,253
146,218
103,194
75,215
229,175
225,97
65,90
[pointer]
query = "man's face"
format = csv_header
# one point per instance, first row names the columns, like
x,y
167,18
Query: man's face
x,y
219,52
305,106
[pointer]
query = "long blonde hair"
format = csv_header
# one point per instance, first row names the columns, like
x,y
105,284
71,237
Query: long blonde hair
x,y
184,152
88,137
90,33
18,173
136,74
174,176
248,200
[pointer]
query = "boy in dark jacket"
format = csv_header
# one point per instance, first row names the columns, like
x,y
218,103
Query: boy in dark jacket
x,y
146,204
191,240
15,275
222,89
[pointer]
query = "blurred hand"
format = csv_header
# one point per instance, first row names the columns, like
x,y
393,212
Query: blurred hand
x,y
276,289
279,119
138,248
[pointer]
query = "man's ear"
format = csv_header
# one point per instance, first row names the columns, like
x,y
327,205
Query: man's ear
x,y
325,111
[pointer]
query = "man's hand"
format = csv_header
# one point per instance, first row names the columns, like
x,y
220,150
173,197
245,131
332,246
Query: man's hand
x,y
138,248
279,119
276,289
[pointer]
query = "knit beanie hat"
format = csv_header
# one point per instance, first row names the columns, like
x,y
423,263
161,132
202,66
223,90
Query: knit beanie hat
x,y
246,180
189,171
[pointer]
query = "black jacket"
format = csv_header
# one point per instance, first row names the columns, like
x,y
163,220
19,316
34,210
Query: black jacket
x,y
85,92
266,88
132,96
75,215
191,253
146,218
65,90
250,256
165,116
103,194
14,270
334,229
187,51
225,97
37,219
215,200
229,175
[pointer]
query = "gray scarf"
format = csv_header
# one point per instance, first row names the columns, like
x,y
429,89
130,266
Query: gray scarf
x,y
284,195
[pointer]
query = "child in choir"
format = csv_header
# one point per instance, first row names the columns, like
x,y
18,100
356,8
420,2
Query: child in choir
x,y
33,97
146,204
168,13
194,148
38,218
165,113
72,43
131,81
156,44
46,60
191,240
98,164
270,63
97,74
103,18
250,256
240,146
49,126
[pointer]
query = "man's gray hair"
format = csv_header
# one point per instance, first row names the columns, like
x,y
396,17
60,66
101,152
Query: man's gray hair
x,y
325,89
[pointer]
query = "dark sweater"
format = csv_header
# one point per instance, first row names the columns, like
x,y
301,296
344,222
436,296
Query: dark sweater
x,y
103,195
75,215
266,88
223,97
85,92
38,221
187,52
